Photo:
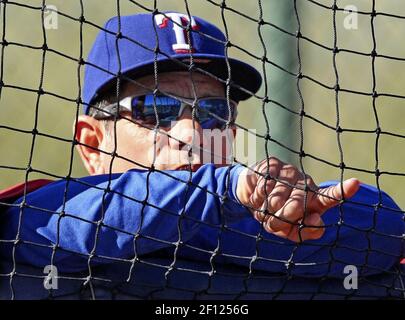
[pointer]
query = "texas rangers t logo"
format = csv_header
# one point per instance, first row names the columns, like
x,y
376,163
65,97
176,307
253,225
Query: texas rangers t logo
x,y
179,19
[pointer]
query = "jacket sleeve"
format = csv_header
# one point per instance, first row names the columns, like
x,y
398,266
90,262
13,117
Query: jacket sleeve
x,y
134,213
367,231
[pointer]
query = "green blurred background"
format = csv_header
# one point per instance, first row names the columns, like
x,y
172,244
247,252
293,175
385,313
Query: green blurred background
x,y
22,68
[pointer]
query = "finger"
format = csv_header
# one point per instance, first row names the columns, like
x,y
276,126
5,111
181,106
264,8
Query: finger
x,y
292,209
280,194
264,187
312,229
291,212
276,200
283,188
279,190
327,198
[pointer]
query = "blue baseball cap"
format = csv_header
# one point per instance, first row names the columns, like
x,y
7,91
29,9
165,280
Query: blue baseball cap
x,y
137,37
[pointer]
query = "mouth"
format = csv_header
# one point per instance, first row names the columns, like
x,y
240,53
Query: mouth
x,y
195,167
189,167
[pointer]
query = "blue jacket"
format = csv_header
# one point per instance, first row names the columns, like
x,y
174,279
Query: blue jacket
x,y
195,216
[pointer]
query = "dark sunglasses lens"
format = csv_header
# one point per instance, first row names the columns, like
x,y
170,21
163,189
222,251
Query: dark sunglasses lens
x,y
214,112
167,109
211,112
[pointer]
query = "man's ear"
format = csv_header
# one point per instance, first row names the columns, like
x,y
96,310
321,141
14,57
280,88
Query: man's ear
x,y
89,133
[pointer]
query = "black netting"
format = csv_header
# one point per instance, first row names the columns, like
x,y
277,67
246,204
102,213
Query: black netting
x,y
171,271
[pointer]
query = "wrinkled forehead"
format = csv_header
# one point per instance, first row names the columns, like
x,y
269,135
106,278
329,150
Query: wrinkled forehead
x,y
178,83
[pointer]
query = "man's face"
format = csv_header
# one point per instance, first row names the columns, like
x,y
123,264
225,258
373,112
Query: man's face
x,y
140,147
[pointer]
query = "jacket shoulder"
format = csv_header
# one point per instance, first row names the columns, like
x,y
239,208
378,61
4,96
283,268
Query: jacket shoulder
x,y
12,193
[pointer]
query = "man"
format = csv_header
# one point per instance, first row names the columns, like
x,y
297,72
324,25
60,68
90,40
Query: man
x,y
150,90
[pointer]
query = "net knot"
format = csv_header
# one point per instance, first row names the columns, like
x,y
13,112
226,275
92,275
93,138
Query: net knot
x,y
88,278
377,206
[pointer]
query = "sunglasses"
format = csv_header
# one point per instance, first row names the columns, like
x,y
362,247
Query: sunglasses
x,y
210,112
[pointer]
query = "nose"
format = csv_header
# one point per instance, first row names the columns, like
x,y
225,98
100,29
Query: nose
x,y
184,129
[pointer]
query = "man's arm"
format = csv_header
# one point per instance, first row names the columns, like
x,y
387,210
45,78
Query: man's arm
x,y
143,212
146,211
366,231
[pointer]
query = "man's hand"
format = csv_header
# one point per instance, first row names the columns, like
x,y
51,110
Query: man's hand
x,y
281,203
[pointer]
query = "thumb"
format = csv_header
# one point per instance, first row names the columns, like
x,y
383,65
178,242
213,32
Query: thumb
x,y
327,198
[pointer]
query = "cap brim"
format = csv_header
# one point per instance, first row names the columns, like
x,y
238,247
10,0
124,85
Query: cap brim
x,y
242,74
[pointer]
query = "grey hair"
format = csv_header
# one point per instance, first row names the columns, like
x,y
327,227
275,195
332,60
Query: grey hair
x,y
96,108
